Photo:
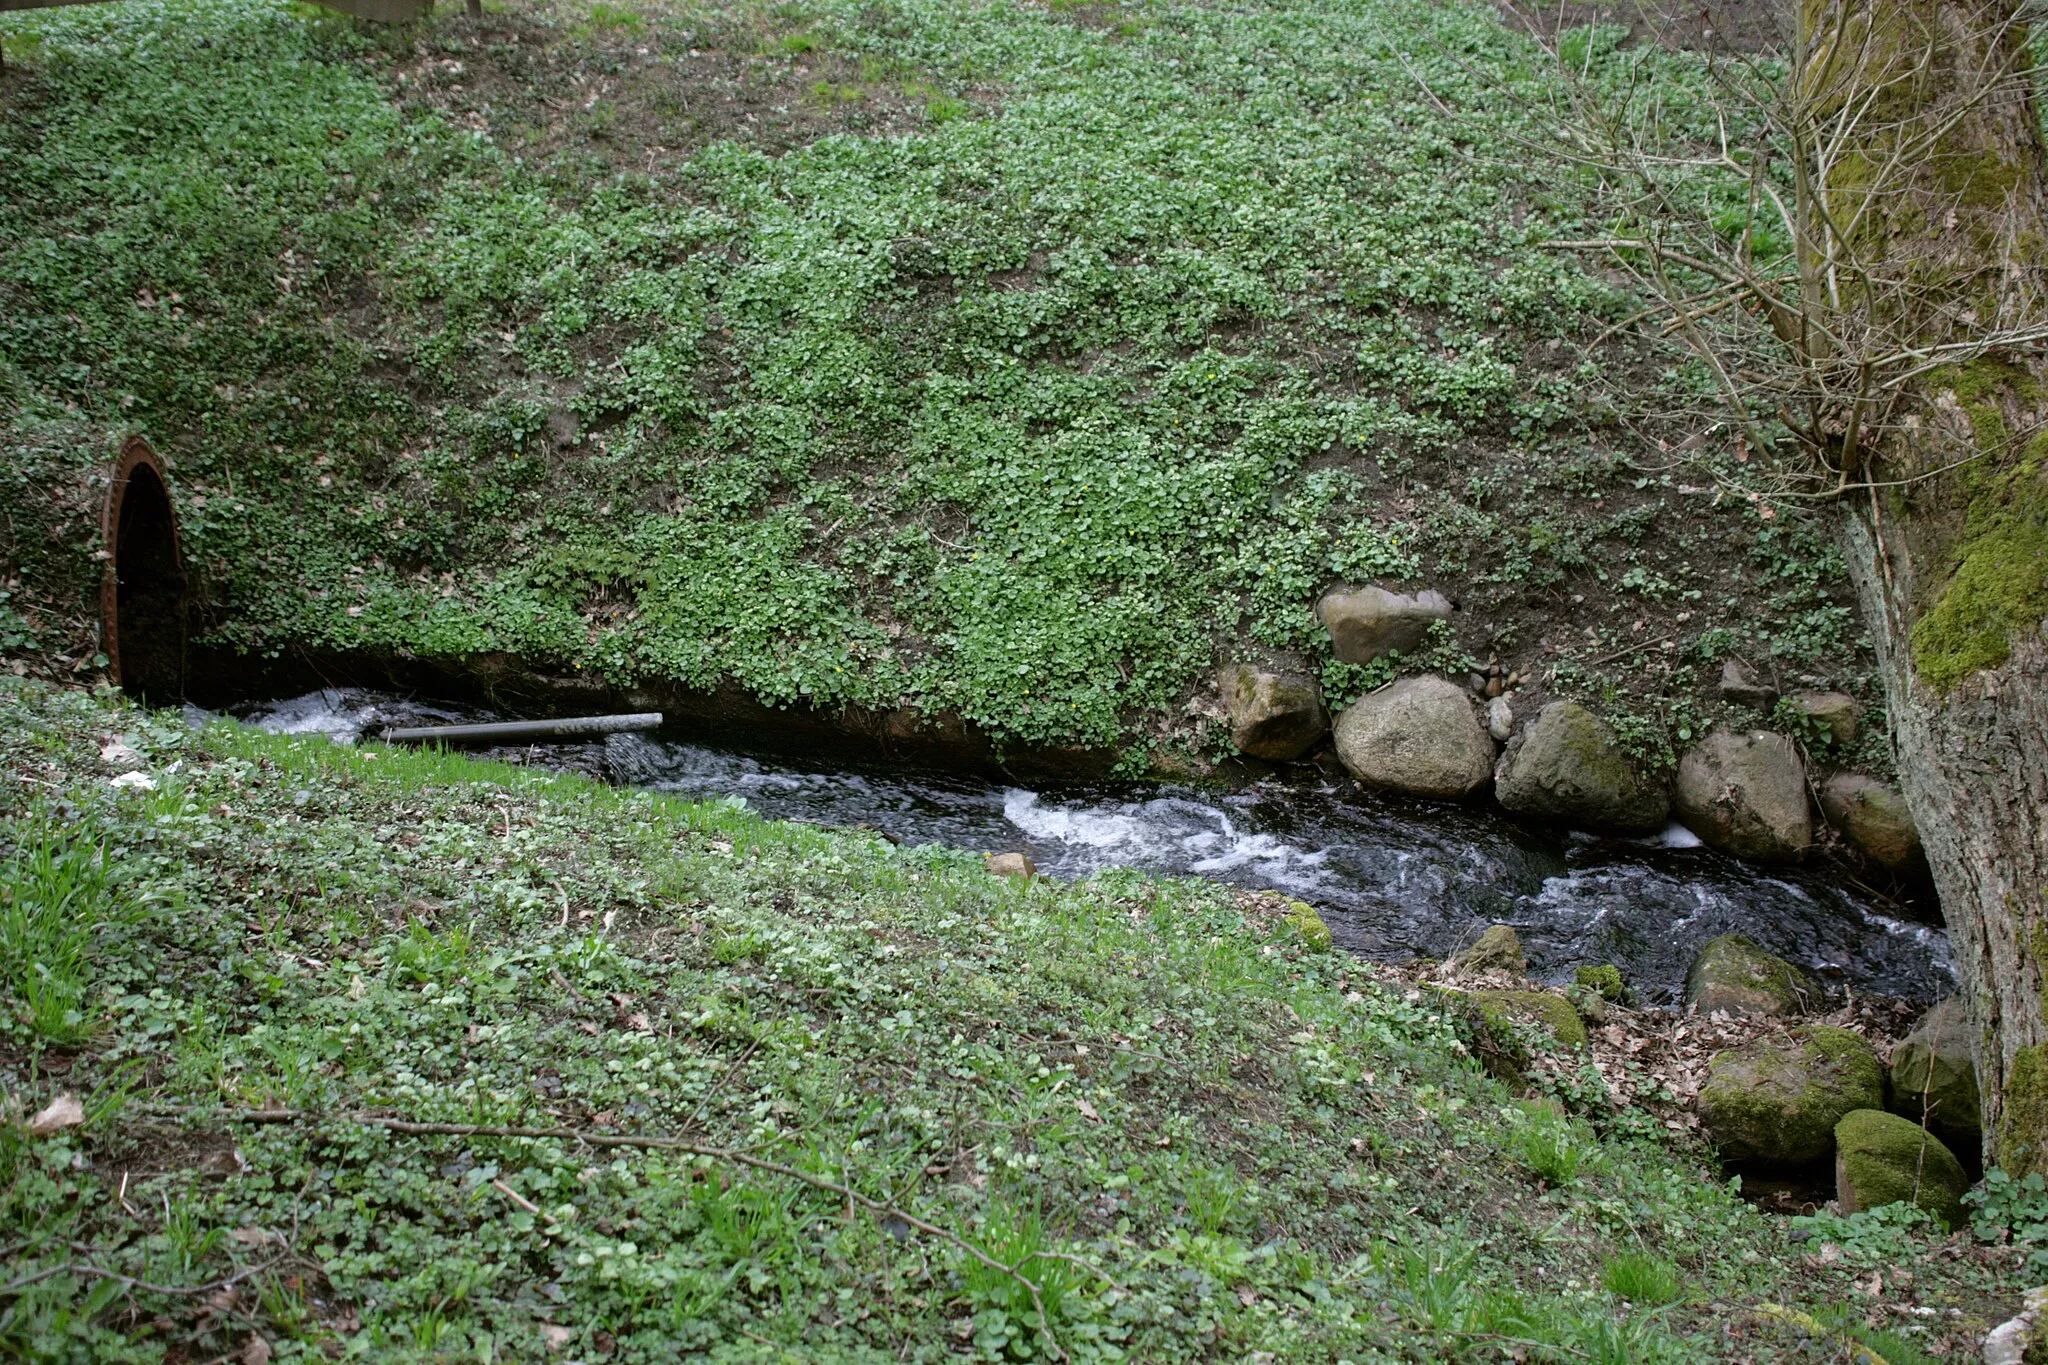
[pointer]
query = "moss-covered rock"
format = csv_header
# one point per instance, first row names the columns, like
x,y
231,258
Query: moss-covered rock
x,y
1499,949
1604,979
1554,1012
1735,976
1934,1074
1315,934
1566,765
1777,1101
1882,1159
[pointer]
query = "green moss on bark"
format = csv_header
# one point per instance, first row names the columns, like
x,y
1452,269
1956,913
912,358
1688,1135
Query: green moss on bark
x,y
1997,585
2023,1115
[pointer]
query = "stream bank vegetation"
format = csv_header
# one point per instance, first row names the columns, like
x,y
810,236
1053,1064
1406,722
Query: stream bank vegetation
x,y
366,1053
1017,363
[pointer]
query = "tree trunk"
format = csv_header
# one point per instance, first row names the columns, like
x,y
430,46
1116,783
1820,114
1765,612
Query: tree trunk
x,y
1974,767
1949,548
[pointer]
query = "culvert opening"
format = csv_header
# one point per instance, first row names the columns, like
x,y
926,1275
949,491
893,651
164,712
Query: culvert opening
x,y
143,601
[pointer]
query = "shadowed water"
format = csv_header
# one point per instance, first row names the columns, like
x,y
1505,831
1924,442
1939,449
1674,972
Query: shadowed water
x,y
1393,879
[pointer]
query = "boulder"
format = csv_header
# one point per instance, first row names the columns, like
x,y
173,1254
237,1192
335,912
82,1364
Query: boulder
x,y
1746,794
1011,865
1872,816
1498,950
1934,1074
1418,735
1742,688
1836,712
1734,976
1776,1102
1273,715
1553,1012
1565,765
1365,623
1883,1159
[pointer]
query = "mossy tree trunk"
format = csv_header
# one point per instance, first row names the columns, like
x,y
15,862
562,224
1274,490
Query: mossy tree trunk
x,y
1949,546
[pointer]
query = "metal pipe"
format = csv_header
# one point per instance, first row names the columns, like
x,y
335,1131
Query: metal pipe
x,y
568,727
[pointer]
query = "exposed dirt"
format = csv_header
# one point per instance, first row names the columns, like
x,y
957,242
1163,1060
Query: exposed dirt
x,y
642,93
1747,26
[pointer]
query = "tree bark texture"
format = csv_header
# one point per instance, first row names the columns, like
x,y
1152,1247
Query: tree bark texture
x,y
1949,546
1974,767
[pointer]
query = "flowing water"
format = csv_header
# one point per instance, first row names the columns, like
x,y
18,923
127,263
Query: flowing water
x,y
1393,879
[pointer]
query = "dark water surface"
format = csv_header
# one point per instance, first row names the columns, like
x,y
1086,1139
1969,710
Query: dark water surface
x,y
1394,879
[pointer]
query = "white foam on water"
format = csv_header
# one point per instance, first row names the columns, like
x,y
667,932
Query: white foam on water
x,y
1171,834
328,713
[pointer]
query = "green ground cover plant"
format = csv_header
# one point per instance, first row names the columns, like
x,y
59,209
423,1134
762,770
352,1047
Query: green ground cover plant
x,y
1011,361
405,1056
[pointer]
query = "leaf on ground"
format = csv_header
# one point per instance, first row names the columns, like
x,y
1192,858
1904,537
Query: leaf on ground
x,y
257,1352
62,1112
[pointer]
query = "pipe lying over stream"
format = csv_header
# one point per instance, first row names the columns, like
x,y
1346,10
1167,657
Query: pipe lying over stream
x,y
517,730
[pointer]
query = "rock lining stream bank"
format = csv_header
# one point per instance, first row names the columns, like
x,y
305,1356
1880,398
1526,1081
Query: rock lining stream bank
x,y
1394,879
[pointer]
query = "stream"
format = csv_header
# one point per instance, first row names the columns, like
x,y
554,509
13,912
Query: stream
x,y
1393,879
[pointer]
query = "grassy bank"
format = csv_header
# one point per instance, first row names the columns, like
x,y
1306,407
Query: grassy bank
x,y
396,1056
1009,360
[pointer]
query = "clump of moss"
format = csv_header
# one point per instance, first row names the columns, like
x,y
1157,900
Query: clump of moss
x,y
1315,934
1605,979
2023,1116
1998,569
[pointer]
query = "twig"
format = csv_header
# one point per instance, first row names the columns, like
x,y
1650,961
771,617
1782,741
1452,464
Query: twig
x,y
17,1285
1636,648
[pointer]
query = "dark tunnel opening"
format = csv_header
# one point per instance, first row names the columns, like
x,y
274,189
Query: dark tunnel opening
x,y
145,616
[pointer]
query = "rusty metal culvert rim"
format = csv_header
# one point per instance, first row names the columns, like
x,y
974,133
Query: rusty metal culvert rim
x,y
137,458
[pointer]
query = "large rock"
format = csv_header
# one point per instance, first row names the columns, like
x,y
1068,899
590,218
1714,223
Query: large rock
x,y
1565,765
1734,976
1746,794
1883,1159
1872,816
1835,712
1273,715
1365,623
1419,735
1553,1012
1776,1102
1497,951
1934,1074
